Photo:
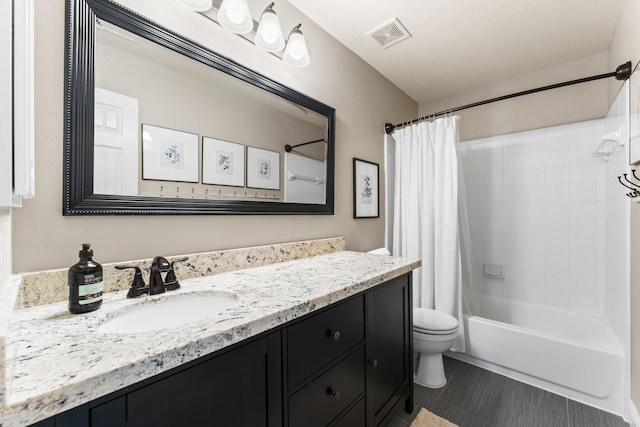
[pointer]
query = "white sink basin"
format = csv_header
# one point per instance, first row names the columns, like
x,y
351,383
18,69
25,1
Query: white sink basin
x,y
166,314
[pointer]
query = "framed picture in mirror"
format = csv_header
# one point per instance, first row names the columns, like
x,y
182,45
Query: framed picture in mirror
x,y
263,169
222,162
169,155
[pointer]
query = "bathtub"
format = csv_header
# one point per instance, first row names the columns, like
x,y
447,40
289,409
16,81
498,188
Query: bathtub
x,y
571,354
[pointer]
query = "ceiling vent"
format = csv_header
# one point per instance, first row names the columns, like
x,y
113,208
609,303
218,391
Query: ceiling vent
x,y
389,33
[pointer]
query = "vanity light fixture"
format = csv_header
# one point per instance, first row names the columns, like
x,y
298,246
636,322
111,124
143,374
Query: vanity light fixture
x,y
197,5
234,16
296,52
269,34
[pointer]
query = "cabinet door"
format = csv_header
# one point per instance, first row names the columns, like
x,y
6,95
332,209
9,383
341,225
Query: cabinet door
x,y
76,417
389,348
110,414
242,387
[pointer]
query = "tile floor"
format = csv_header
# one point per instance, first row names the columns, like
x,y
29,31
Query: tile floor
x,y
475,397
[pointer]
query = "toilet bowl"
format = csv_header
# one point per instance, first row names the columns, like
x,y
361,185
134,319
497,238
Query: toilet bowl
x,y
433,334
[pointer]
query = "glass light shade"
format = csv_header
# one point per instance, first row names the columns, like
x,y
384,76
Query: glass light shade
x,y
196,5
269,35
234,16
296,52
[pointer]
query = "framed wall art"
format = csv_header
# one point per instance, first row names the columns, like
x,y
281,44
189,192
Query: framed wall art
x,y
366,200
169,155
263,169
222,162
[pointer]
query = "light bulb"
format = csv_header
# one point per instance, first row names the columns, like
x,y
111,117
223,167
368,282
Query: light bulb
x,y
297,49
269,34
296,52
234,16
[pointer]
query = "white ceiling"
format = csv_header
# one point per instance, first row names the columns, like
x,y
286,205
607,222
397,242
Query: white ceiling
x,y
457,45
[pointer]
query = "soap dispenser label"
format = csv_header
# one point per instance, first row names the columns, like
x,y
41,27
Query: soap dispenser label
x,y
91,290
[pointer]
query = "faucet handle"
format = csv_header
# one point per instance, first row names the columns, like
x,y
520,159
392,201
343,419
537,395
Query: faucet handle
x,y
138,287
171,281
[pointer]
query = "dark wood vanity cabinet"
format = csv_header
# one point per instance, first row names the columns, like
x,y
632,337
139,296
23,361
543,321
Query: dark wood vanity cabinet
x,y
324,362
349,364
240,387
389,350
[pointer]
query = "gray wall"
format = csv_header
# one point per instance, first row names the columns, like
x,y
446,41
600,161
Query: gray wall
x,y
550,108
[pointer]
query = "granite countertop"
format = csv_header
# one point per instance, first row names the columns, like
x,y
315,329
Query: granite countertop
x,y
56,361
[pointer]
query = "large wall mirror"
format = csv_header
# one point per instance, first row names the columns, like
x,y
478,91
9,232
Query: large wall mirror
x,y
158,124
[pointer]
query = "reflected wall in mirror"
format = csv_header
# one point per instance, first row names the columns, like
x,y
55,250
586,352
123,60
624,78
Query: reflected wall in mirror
x,y
134,75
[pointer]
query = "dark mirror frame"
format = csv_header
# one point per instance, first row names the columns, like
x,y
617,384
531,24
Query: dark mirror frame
x,y
78,197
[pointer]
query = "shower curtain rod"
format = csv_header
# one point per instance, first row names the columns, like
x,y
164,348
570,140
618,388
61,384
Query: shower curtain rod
x,y
288,147
621,73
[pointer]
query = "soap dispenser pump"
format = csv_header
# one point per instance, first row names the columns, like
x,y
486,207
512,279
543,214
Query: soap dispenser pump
x,y
85,283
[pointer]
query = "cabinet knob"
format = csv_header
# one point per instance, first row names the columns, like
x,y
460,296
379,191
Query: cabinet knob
x,y
334,334
373,363
335,393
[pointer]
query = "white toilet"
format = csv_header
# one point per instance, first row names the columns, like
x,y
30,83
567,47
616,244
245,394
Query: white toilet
x,y
433,334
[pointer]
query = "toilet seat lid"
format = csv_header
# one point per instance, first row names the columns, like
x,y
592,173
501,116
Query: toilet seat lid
x,y
433,321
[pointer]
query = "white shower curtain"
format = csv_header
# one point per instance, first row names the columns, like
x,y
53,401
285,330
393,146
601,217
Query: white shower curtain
x,y
426,213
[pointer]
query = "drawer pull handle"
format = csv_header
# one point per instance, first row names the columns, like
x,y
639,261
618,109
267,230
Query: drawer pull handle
x,y
334,334
373,363
335,393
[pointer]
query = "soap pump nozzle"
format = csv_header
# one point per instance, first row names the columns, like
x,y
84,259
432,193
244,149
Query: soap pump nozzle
x,y
86,253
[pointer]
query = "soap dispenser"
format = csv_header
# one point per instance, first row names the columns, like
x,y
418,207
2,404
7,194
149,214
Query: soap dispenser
x,y
85,283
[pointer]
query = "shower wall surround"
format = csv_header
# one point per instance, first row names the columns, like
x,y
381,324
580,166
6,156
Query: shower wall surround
x,y
558,221
537,207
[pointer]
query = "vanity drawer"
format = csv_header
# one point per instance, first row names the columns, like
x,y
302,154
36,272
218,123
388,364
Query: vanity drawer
x,y
327,396
355,417
316,341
